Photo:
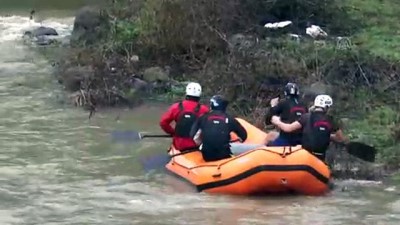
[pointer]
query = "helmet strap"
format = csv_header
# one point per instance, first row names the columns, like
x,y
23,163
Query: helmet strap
x,y
192,98
319,108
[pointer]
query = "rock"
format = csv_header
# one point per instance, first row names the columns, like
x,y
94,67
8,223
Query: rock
x,y
44,40
134,58
139,84
41,36
86,24
241,41
155,74
41,31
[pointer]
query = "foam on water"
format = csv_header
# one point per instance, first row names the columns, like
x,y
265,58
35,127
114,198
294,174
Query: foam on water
x,y
13,27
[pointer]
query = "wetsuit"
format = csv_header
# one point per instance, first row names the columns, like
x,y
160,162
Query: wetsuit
x,y
216,127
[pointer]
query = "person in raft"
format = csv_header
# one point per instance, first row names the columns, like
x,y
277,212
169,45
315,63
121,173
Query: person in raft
x,y
212,131
318,128
289,110
184,113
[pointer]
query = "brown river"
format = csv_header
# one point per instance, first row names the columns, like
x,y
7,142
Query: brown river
x,y
58,167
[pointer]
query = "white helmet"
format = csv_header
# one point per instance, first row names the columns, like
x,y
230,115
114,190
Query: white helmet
x,y
193,89
323,101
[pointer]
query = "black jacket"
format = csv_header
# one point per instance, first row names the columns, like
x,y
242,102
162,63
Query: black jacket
x,y
216,127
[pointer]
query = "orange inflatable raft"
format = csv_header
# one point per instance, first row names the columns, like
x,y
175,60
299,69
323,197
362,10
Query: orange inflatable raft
x,y
264,170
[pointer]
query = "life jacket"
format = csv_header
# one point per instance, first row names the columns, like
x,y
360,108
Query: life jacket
x,y
316,135
216,136
185,120
296,110
218,123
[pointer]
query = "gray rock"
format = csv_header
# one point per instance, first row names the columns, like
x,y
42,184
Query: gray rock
x,y
140,85
41,36
41,31
45,40
87,21
241,41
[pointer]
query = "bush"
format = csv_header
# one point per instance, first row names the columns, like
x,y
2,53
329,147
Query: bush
x,y
191,31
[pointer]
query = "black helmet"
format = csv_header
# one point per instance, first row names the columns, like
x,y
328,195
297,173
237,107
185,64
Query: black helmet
x,y
218,102
291,89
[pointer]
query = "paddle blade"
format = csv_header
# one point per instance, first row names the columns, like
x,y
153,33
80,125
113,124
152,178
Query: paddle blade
x,y
155,162
362,151
126,136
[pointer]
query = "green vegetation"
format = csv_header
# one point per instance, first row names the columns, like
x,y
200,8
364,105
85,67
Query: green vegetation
x,y
380,26
221,44
380,128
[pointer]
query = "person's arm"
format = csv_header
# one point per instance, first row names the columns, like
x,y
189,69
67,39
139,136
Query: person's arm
x,y
273,111
239,129
285,126
166,120
337,133
195,131
338,136
195,127
197,137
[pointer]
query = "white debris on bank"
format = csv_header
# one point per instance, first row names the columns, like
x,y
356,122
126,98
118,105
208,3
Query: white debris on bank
x,y
311,30
278,24
315,31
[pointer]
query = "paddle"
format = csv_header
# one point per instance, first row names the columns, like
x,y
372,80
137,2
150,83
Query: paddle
x,y
160,160
134,136
361,150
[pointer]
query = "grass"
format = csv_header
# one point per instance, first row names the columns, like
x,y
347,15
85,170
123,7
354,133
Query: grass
x,y
377,128
380,34
381,31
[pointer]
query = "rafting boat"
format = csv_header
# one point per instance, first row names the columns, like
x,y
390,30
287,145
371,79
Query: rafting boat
x,y
263,170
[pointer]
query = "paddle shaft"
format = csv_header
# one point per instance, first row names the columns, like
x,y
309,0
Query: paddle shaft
x,y
156,136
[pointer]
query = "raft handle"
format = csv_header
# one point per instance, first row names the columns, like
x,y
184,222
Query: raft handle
x,y
284,153
216,175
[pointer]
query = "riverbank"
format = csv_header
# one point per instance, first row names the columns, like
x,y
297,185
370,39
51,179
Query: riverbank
x,y
127,53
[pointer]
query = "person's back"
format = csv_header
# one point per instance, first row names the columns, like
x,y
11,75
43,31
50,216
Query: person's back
x,y
184,113
317,127
289,110
215,128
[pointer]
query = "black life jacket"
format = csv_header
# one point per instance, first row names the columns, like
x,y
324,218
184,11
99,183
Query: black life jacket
x,y
185,120
216,136
316,135
296,110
